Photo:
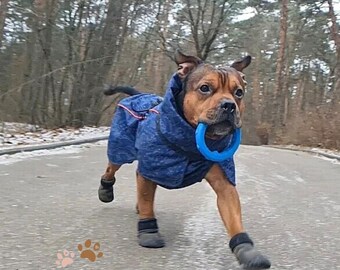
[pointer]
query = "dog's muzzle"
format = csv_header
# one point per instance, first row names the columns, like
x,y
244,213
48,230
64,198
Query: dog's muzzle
x,y
223,120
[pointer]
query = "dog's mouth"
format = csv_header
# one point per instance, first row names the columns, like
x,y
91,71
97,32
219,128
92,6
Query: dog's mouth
x,y
220,129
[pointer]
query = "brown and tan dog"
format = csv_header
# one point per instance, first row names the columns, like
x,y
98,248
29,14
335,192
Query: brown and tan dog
x,y
210,95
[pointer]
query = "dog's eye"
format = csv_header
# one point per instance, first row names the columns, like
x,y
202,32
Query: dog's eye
x,y
205,89
239,93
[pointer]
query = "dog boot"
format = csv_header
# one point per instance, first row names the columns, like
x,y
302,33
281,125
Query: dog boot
x,y
148,235
105,191
246,254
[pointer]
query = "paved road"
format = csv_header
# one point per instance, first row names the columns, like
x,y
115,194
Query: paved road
x,y
291,204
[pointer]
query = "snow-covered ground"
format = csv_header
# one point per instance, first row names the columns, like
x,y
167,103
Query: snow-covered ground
x,y
325,153
314,149
18,134
72,149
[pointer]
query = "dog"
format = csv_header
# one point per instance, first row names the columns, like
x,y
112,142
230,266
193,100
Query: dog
x,y
159,132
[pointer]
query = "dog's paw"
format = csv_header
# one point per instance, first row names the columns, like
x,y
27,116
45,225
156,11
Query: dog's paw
x,y
105,191
250,258
151,240
148,235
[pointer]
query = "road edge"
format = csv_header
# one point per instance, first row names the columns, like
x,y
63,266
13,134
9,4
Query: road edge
x,y
327,155
46,146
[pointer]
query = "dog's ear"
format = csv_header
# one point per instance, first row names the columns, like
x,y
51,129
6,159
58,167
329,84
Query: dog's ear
x,y
185,63
242,64
183,58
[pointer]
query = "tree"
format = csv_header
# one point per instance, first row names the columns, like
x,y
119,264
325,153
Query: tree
x,y
279,95
336,38
3,13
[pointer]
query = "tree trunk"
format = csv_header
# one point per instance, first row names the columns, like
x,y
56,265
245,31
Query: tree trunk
x,y
336,38
3,13
280,68
160,64
256,102
45,35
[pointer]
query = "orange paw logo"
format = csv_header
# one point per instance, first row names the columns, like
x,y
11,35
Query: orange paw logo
x,y
90,253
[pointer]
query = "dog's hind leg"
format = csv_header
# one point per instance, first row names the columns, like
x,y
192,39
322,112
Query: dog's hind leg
x,y
105,191
230,210
148,235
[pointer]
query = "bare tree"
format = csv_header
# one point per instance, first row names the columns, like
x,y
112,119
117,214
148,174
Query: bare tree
x,y
207,19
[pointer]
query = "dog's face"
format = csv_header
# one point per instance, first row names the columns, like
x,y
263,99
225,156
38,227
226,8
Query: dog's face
x,y
215,96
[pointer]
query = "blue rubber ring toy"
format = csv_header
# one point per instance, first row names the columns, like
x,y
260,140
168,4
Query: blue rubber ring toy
x,y
215,155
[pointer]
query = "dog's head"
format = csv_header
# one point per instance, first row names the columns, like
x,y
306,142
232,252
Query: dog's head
x,y
213,95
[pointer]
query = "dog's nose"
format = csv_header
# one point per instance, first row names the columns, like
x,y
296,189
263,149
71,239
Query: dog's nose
x,y
228,105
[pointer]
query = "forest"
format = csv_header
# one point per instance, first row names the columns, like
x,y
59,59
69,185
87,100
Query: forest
x,y
56,55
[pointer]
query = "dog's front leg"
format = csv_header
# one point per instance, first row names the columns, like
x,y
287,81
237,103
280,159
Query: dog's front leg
x,y
105,191
228,203
148,235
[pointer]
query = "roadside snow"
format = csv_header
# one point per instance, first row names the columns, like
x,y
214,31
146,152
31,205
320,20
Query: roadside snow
x,y
315,149
10,159
19,134
332,160
328,154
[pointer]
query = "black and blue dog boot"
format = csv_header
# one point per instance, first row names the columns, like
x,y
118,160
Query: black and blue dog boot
x,y
148,235
105,191
246,254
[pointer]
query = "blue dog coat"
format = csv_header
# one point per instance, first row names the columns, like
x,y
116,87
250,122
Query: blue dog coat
x,y
149,129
